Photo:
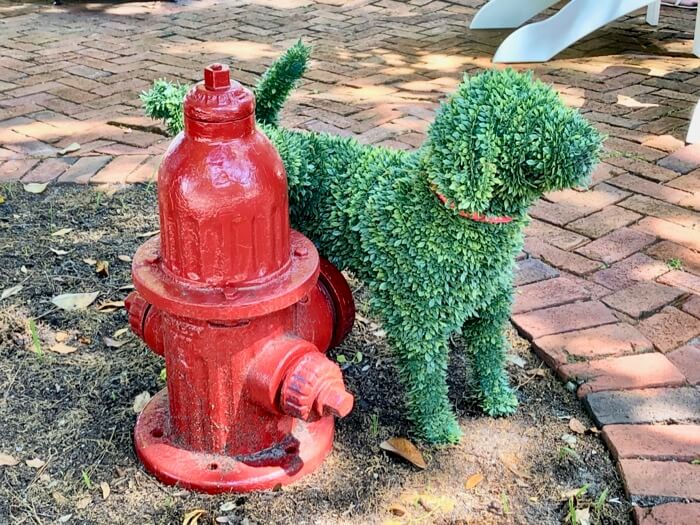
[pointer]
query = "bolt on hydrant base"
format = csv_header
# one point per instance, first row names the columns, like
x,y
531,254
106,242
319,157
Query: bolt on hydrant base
x,y
241,307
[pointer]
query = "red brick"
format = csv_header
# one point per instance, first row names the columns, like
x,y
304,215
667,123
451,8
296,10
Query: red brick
x,y
564,318
667,250
544,294
651,405
692,201
643,298
683,280
670,328
559,237
118,169
660,478
82,171
568,261
533,270
683,160
667,143
593,343
668,514
146,172
687,360
604,171
651,189
48,170
656,442
140,139
602,222
623,373
616,245
639,267
662,210
692,306
14,170
559,214
590,201
689,182
671,232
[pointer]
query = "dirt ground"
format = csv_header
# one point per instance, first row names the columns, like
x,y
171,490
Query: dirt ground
x,y
74,411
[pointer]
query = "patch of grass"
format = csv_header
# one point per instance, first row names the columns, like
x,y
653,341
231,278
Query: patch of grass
x,y
674,264
36,343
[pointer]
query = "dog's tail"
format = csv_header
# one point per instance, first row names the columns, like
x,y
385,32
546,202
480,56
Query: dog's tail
x,y
277,82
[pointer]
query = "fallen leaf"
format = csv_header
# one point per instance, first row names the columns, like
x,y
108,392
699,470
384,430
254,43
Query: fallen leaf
x,y
61,336
61,232
62,348
65,518
74,301
569,439
228,506
381,334
8,461
124,258
35,187
110,306
629,102
59,498
473,480
83,502
432,503
583,516
70,148
512,463
397,509
2,199
192,517
120,332
102,268
141,401
517,360
576,426
59,252
126,287
147,234
404,448
84,340
111,343
91,262
9,292
35,463
105,489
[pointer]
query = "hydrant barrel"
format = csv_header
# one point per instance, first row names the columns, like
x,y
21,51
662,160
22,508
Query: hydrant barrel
x,y
224,209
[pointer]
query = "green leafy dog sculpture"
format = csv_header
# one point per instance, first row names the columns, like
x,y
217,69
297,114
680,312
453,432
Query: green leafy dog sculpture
x,y
434,232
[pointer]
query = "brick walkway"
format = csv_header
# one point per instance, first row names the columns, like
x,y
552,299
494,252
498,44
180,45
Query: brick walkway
x,y
610,291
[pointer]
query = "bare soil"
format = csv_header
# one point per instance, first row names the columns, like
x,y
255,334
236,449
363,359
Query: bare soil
x,y
75,411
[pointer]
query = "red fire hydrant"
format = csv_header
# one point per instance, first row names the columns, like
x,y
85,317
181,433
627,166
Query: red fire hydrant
x,y
240,306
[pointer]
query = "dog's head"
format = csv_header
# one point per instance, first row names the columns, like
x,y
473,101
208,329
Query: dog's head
x,y
502,140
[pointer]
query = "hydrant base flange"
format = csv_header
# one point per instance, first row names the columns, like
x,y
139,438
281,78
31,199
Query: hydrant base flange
x,y
303,451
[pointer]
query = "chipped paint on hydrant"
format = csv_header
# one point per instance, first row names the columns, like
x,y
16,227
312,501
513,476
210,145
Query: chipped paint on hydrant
x,y
241,307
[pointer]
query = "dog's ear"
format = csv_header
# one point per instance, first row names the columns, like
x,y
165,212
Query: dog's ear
x,y
504,133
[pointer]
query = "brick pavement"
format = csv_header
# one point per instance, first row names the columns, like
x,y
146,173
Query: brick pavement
x,y
609,293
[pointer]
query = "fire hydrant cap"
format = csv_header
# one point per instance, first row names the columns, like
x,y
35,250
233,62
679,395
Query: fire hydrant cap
x,y
218,98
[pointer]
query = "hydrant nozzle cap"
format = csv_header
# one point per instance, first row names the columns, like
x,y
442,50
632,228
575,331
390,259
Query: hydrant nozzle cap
x,y
218,98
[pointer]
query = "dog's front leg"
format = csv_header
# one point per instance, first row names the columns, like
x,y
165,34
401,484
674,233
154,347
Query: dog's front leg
x,y
422,363
487,345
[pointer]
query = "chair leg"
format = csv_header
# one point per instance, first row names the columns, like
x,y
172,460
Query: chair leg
x,y
499,14
653,11
540,41
696,41
693,136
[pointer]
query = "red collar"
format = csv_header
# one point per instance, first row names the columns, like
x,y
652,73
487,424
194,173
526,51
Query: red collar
x,y
476,216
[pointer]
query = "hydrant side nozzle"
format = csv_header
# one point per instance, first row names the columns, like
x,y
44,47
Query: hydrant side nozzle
x,y
145,321
334,401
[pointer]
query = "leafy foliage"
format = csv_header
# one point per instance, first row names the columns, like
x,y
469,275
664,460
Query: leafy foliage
x,y
164,102
501,141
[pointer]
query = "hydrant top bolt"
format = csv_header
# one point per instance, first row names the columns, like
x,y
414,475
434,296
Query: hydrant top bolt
x,y
301,252
217,76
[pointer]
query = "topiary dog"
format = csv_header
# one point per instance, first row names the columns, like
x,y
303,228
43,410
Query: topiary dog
x,y
434,233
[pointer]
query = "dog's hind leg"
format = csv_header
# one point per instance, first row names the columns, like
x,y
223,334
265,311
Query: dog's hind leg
x,y
486,341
